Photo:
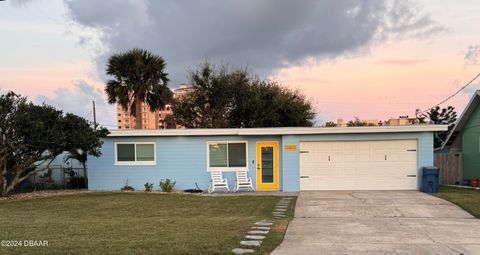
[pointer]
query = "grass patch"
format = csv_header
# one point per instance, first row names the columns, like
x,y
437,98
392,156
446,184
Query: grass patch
x,y
468,199
138,223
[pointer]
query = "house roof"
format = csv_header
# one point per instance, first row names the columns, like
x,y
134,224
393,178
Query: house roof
x,y
471,106
276,131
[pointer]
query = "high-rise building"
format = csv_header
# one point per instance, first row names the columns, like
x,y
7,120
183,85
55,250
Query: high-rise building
x,y
160,119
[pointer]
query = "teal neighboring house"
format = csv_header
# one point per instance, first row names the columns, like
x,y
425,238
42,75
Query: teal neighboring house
x,y
465,138
282,159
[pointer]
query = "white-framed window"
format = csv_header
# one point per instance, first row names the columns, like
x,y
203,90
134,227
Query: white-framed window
x,y
135,153
227,155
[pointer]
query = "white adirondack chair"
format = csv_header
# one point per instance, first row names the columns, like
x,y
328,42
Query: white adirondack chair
x,y
217,182
243,181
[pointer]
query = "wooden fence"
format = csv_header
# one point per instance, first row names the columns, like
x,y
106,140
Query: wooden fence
x,y
451,167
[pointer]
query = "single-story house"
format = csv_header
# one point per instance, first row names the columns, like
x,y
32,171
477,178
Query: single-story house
x,y
465,138
286,159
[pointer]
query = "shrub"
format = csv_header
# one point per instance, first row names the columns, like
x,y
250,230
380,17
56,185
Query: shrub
x,y
77,182
127,187
167,185
148,186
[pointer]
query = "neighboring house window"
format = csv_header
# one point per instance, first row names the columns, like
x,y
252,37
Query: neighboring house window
x,y
135,154
227,156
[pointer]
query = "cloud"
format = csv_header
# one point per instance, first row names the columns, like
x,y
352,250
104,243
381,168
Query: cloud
x,y
263,35
472,57
78,100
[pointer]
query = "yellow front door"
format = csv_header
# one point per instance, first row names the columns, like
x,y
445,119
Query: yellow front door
x,y
267,165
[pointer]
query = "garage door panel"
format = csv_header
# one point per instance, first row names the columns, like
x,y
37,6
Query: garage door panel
x,y
357,165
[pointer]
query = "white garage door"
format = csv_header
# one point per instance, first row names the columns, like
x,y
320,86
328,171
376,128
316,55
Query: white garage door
x,y
358,165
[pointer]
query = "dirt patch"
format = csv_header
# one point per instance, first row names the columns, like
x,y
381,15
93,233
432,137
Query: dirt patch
x,y
43,193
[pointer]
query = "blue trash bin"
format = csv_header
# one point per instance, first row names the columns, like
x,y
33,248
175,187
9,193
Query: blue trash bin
x,y
430,179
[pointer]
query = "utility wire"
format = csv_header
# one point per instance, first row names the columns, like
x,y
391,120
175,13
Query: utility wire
x,y
454,94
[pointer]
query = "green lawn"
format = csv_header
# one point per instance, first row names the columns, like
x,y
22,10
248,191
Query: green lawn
x,y
468,199
137,223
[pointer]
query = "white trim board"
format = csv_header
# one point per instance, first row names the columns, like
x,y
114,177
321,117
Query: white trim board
x,y
277,131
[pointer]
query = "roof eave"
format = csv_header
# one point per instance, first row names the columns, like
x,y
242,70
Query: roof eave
x,y
279,131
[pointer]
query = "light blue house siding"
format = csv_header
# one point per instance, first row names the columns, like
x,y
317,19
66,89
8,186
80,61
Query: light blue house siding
x,y
184,159
181,158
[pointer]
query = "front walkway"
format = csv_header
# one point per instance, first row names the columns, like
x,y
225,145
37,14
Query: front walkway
x,y
379,222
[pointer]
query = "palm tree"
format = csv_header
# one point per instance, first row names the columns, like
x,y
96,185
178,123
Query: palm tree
x,y
138,77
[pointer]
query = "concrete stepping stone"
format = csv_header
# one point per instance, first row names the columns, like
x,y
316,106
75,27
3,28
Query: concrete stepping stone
x,y
253,237
287,198
258,232
261,228
251,243
281,206
280,210
242,251
263,223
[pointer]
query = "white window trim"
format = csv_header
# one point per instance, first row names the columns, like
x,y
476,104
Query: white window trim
x,y
136,163
227,169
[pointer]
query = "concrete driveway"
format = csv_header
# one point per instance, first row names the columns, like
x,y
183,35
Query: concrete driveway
x,y
379,222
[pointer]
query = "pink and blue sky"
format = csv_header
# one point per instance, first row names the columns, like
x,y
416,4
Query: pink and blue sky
x,y
366,59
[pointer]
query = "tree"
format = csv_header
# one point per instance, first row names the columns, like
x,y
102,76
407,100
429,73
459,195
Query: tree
x,y
138,77
224,98
209,102
357,123
31,136
330,124
443,116
86,142
266,103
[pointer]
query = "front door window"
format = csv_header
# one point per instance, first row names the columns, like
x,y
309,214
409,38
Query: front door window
x,y
267,164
